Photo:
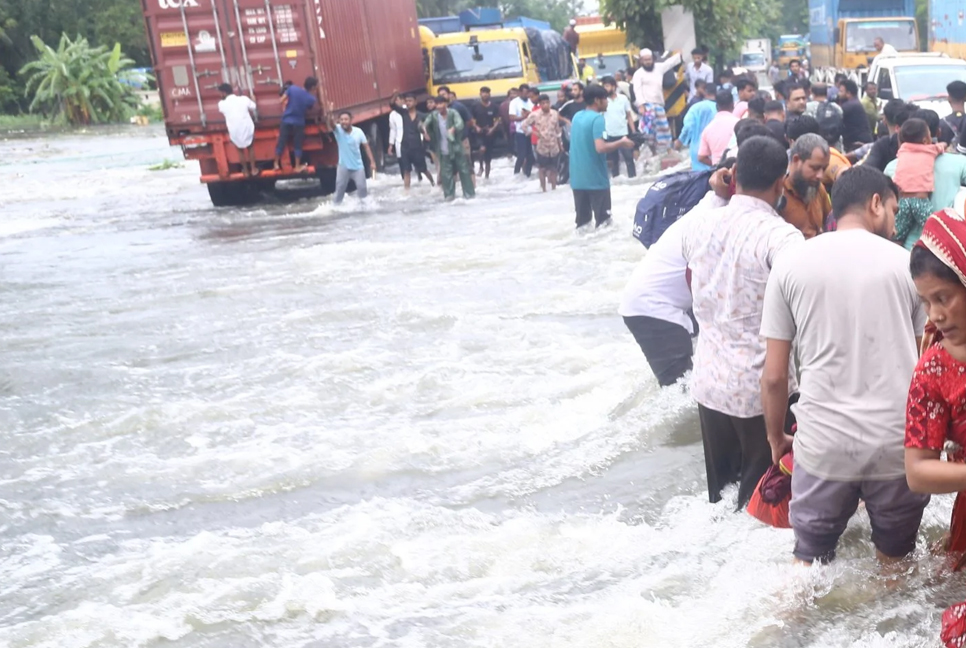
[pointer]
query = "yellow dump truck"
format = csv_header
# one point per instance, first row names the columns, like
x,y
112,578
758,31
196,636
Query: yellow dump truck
x,y
605,47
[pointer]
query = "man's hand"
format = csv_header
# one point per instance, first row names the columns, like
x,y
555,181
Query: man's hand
x,y
392,149
780,447
720,182
627,143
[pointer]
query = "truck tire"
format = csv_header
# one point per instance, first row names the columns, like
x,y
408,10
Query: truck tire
x,y
326,180
232,194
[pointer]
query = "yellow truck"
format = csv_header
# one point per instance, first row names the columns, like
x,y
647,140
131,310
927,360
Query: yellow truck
x,y
843,34
605,47
466,61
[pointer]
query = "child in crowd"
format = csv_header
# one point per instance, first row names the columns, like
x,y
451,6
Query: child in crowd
x,y
915,178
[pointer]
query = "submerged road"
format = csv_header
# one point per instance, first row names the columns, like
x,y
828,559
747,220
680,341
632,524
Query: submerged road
x,y
403,423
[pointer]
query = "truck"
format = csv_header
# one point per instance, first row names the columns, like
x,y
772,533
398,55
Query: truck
x,y
756,55
487,53
605,47
843,31
790,47
361,52
947,29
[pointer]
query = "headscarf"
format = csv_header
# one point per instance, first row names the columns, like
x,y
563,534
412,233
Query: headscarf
x,y
944,234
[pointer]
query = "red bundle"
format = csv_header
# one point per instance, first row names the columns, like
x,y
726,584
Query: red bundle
x,y
769,502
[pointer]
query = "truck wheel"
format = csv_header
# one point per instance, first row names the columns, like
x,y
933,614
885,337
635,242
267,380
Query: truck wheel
x,y
375,145
232,194
326,180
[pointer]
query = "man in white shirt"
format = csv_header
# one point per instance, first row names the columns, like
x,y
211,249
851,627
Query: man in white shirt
x,y
883,49
697,70
730,252
656,304
520,109
648,83
396,131
238,111
618,123
848,301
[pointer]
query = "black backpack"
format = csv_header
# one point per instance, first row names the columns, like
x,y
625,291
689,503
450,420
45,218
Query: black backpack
x,y
666,201
830,122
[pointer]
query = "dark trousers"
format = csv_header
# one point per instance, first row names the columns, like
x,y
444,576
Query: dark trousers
x,y
735,450
592,204
295,132
524,152
614,160
666,346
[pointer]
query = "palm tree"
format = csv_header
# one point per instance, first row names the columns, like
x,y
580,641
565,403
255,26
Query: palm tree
x,y
77,83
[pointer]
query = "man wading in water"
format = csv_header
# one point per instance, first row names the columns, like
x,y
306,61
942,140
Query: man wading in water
x,y
730,251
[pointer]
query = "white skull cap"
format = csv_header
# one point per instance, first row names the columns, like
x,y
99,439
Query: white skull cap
x,y
645,52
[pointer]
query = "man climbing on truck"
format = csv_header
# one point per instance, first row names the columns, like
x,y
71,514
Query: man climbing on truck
x,y
238,111
296,103
352,142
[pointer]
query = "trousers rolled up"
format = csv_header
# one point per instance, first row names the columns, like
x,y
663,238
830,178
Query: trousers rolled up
x,y
451,165
524,152
342,178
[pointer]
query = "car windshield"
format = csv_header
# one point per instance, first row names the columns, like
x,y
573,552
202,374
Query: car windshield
x,y
752,59
609,63
486,60
901,34
917,82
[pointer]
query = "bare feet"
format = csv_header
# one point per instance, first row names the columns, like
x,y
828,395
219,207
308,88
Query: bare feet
x,y
299,168
255,173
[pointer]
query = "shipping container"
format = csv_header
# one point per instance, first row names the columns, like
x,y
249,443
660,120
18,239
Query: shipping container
x,y
947,27
361,52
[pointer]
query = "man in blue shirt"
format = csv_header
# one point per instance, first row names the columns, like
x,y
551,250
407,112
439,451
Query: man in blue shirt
x,y
296,103
589,178
697,119
352,141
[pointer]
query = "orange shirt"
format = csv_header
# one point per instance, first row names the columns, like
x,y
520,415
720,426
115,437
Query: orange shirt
x,y
837,163
808,219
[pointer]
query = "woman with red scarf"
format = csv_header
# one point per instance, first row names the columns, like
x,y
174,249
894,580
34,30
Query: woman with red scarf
x,y
936,410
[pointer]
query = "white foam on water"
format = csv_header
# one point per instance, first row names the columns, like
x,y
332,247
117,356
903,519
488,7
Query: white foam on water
x,y
399,422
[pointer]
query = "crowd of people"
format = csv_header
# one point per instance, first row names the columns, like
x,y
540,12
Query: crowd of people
x,y
823,276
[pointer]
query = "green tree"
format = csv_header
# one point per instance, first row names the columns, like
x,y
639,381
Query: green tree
x,y
720,25
77,83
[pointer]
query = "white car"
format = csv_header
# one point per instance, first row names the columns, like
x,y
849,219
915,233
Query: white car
x,y
917,78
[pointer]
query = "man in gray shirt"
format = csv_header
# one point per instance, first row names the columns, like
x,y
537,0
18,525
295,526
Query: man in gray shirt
x,y
848,301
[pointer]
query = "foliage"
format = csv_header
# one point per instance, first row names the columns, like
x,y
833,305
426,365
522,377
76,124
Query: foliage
x,y
21,122
167,164
720,25
101,22
77,83
556,12
152,111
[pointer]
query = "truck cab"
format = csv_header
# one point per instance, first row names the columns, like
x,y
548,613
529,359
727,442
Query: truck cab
x,y
605,47
855,38
467,61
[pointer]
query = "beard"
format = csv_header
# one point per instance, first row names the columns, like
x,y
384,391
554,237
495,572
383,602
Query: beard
x,y
807,191
648,68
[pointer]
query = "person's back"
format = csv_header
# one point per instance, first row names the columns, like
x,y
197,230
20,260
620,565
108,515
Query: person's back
x,y
854,308
588,168
299,102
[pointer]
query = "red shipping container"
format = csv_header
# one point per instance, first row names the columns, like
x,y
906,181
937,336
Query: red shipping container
x,y
361,51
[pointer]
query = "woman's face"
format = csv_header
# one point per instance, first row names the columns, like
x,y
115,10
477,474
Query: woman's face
x,y
945,304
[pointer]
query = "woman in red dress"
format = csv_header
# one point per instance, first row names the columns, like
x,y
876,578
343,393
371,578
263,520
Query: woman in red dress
x,y
936,410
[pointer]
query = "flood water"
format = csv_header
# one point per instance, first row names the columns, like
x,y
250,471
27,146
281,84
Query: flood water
x,y
403,423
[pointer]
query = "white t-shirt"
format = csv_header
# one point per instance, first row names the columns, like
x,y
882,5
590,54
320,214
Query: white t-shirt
x,y
849,302
517,106
237,110
658,287
615,118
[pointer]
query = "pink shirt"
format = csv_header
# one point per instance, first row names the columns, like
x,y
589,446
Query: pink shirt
x,y
741,109
717,135
915,167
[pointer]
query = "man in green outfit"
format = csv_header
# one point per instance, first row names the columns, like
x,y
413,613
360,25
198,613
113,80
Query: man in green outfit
x,y
444,128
